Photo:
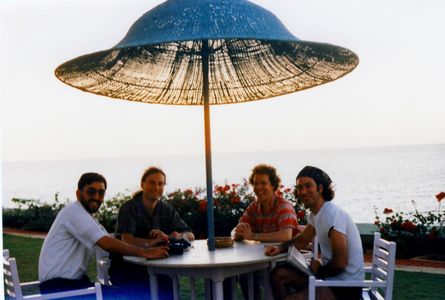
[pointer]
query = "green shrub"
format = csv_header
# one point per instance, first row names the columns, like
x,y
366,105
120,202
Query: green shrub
x,y
31,214
107,214
230,201
416,233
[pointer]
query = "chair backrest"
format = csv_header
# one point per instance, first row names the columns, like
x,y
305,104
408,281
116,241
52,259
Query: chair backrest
x,y
383,264
11,276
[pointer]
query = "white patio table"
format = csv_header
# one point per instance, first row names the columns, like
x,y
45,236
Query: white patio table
x,y
198,261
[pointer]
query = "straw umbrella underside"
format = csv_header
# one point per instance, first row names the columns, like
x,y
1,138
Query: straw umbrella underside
x,y
207,52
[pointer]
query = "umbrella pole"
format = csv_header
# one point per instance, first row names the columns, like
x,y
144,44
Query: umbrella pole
x,y
208,147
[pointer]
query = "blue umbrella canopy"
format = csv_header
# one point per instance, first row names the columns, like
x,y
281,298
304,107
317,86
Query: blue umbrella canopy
x,y
207,52
251,56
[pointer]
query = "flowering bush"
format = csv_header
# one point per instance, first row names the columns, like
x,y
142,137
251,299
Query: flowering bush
x,y
407,228
107,214
32,214
230,201
288,194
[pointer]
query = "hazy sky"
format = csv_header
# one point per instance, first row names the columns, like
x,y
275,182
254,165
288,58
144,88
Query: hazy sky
x,y
395,95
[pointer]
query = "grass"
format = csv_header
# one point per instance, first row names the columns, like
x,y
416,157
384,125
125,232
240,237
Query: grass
x,y
26,251
407,285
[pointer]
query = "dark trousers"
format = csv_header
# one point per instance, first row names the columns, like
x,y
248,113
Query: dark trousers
x,y
134,279
243,282
108,292
63,284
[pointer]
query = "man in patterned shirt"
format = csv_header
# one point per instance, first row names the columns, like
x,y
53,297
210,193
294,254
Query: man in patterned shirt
x,y
270,218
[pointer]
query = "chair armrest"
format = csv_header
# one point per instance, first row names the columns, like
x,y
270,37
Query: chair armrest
x,y
345,283
85,291
30,284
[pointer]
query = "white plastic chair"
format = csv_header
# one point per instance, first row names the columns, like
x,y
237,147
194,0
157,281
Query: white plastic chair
x,y
380,285
14,289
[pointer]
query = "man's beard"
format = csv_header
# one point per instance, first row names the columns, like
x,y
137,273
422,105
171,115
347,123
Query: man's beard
x,y
85,203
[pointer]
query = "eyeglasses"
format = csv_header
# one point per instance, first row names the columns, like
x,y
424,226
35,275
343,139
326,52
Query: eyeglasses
x,y
91,192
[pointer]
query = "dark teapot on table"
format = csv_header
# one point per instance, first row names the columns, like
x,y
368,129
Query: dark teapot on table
x,y
177,246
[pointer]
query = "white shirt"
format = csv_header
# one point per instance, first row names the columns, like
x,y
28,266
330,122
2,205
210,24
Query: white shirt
x,y
332,216
69,244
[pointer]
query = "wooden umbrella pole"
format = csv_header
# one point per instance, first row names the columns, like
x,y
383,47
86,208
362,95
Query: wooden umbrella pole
x,y
208,146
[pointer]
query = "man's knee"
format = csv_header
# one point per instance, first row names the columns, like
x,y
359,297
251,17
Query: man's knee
x,y
281,274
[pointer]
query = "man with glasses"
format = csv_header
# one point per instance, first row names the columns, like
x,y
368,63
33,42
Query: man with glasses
x,y
68,247
339,239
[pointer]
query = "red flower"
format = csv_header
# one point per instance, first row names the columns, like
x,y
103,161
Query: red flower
x,y
395,224
202,205
219,189
188,193
440,196
387,211
408,226
433,234
377,222
301,214
226,188
236,200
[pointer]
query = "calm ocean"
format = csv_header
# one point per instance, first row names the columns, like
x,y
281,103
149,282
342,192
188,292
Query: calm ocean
x,y
364,177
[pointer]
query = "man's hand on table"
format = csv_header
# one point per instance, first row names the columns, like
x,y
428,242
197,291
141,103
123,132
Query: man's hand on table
x,y
175,235
243,231
157,242
158,234
155,252
272,250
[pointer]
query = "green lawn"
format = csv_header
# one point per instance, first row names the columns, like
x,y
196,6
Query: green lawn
x,y
407,285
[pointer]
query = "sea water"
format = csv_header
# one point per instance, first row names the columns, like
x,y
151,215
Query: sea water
x,y
365,178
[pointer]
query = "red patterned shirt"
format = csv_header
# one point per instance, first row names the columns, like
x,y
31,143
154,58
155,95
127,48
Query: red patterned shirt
x,y
280,216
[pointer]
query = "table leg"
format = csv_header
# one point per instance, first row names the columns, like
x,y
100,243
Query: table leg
x,y
250,285
175,281
153,284
218,290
